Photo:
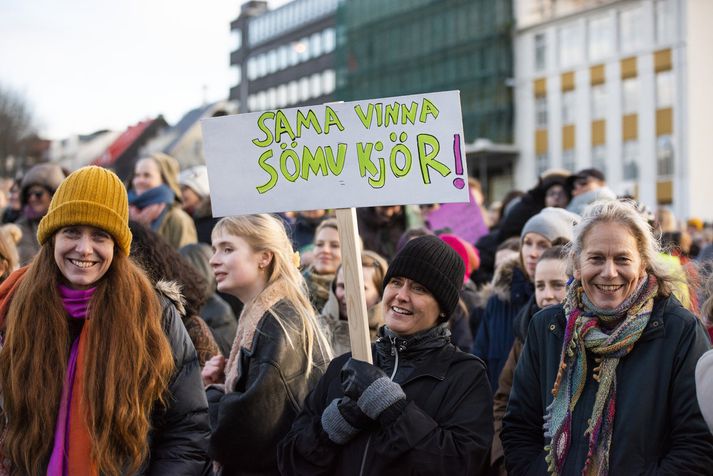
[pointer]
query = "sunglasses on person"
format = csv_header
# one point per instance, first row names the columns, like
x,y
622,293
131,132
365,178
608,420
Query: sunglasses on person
x,y
36,193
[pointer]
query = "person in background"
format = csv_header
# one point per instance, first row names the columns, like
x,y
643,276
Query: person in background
x,y
155,200
98,375
279,352
381,227
514,287
459,323
195,195
36,190
550,285
303,228
587,186
10,235
13,210
178,281
215,312
333,318
704,367
608,375
423,407
327,256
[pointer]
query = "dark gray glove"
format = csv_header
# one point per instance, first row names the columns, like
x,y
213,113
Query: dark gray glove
x,y
370,387
343,419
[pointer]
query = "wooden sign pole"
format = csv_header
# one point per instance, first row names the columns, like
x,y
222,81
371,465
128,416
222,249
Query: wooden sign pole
x,y
354,284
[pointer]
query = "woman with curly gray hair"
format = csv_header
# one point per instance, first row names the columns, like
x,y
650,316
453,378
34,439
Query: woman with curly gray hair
x,y
605,381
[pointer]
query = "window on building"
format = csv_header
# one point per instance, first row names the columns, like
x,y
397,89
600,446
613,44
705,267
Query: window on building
x,y
252,69
261,66
271,61
665,21
328,40
252,103
630,159
541,112
601,38
315,85
630,95
293,94
261,103
328,81
664,156
630,21
568,107
315,45
599,158
569,160
540,52
271,98
282,95
542,163
304,89
664,89
599,102
303,49
282,57
569,40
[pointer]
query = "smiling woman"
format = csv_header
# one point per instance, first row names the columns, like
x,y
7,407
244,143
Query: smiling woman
x,y
423,407
128,358
613,366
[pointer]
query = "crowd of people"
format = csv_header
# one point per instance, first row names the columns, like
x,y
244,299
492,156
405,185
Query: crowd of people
x,y
141,335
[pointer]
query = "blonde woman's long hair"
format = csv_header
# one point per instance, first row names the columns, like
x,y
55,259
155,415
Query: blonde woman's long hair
x,y
266,233
128,367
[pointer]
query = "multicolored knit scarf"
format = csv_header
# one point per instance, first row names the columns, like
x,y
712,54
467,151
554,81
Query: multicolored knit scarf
x,y
609,334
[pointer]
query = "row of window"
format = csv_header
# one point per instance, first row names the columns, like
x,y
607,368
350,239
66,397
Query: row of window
x,y
284,56
295,14
629,156
629,95
297,91
601,35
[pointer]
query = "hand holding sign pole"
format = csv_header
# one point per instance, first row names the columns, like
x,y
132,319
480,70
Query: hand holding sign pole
x,y
386,151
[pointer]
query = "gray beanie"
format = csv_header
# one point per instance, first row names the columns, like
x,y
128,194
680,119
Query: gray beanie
x,y
47,175
552,223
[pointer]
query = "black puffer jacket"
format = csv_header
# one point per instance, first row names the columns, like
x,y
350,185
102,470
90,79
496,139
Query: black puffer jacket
x,y
445,426
658,427
249,421
181,431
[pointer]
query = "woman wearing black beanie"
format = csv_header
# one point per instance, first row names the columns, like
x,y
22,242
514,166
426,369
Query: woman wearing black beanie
x,y
423,406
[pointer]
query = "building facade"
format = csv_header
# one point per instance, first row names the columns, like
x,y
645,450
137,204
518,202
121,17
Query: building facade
x,y
395,47
283,57
619,85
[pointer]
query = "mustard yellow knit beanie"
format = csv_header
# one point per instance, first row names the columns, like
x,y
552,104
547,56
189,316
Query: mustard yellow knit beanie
x,y
89,196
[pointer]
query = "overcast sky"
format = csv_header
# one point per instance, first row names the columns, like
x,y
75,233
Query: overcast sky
x,y
85,65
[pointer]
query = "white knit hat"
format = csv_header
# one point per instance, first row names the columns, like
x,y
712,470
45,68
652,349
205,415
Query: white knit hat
x,y
197,179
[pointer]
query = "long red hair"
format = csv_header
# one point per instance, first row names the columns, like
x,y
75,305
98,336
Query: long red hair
x,y
128,366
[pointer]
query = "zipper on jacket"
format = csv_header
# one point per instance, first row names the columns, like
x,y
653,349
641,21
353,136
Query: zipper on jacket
x,y
394,352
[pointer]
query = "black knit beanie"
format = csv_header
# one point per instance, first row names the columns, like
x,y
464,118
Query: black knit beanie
x,y
429,261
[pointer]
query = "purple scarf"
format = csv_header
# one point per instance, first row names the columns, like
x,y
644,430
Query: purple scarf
x,y
75,302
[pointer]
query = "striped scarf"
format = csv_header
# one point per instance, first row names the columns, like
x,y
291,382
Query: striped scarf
x,y
609,334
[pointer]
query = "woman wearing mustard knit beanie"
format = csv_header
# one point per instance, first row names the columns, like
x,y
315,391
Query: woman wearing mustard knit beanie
x,y
97,373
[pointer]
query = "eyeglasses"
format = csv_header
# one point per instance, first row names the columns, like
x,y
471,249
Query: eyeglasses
x,y
36,193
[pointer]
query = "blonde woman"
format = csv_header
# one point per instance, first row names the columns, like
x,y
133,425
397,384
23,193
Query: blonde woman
x,y
278,354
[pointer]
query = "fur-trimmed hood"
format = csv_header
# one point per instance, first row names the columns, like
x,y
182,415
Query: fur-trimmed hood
x,y
501,284
172,291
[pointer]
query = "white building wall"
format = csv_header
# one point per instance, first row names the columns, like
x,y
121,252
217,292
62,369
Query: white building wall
x,y
699,86
692,69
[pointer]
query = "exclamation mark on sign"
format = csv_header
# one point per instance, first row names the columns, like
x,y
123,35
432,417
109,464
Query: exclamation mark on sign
x,y
458,181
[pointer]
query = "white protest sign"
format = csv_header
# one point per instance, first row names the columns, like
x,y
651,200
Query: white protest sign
x,y
387,151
